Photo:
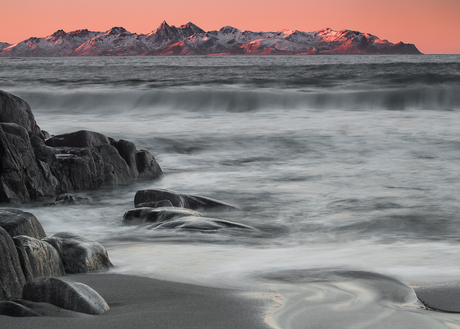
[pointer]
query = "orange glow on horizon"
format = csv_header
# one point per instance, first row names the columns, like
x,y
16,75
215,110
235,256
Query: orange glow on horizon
x,y
432,26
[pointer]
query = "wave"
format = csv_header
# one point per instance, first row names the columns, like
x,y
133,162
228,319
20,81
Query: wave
x,y
236,99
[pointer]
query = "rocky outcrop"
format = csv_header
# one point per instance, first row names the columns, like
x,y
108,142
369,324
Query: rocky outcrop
x,y
24,259
78,253
35,167
147,197
11,276
74,296
177,213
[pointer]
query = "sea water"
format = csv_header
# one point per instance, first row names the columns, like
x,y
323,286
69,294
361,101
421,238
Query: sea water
x,y
342,164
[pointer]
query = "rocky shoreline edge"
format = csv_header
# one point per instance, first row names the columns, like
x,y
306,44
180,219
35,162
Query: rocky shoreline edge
x,y
36,166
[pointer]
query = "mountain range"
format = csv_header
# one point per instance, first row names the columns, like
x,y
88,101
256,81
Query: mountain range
x,y
189,39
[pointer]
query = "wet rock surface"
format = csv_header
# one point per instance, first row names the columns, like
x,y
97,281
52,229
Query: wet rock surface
x,y
12,308
18,222
38,258
78,253
72,296
36,166
69,199
156,215
166,209
181,200
11,275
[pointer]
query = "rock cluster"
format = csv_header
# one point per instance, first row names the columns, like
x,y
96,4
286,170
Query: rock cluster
x,y
28,259
35,165
166,209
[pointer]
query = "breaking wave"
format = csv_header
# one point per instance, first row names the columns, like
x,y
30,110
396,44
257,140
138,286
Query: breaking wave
x,y
243,100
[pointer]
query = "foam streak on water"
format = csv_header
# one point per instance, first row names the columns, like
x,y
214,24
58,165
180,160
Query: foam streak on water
x,y
345,163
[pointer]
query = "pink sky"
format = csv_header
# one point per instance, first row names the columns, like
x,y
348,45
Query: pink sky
x,y
433,26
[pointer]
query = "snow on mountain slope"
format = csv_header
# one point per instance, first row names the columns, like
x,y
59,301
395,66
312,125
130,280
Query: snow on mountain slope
x,y
59,43
189,39
4,45
115,42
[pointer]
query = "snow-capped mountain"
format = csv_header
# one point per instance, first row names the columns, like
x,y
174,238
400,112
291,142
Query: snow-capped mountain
x,y
189,39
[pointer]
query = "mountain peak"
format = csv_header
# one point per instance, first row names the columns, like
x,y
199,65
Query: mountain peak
x,y
58,34
163,26
229,30
115,31
192,27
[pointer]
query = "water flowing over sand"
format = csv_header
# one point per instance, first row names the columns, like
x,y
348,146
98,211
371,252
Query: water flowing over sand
x,y
347,166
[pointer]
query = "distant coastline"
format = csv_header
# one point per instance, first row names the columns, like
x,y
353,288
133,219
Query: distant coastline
x,y
190,40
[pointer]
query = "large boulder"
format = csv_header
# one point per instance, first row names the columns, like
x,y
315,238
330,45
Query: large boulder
x,y
78,253
34,168
38,258
72,296
11,275
145,197
18,222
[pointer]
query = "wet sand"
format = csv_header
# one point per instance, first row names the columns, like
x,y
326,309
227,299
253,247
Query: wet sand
x,y
137,302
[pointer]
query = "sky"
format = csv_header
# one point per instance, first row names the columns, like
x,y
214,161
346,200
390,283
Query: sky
x,y
433,26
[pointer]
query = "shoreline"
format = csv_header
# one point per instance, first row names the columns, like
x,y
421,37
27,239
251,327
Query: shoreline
x,y
142,302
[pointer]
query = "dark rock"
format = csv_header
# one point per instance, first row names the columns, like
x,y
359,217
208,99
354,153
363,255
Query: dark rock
x,y
15,110
78,253
35,169
156,215
38,258
179,200
203,224
128,151
11,275
74,296
147,166
115,169
157,204
23,177
81,138
11,308
18,222
69,199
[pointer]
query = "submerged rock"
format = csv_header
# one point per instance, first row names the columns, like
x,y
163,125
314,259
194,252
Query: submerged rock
x,y
69,199
38,258
11,275
203,224
18,222
156,215
11,308
74,296
178,200
78,253
34,169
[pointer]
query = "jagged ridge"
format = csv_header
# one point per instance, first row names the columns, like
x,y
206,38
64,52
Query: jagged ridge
x,y
189,39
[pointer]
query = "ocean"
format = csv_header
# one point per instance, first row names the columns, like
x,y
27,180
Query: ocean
x,y
346,166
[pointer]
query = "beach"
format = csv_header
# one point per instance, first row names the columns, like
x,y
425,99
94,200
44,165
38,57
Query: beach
x,y
137,302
